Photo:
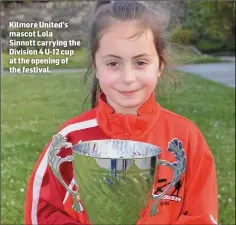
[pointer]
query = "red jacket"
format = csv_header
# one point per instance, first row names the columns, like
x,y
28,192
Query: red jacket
x,y
192,201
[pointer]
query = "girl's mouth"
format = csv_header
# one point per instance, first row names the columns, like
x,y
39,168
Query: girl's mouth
x,y
128,93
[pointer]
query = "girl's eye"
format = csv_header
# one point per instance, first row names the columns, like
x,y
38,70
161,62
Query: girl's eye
x,y
113,64
141,63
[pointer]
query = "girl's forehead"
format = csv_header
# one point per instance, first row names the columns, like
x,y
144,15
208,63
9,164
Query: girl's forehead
x,y
123,34
122,40
126,30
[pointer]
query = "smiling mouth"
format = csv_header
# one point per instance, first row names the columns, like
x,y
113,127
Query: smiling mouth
x,y
128,93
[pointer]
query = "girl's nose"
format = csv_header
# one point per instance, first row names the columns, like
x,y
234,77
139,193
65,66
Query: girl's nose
x,y
128,75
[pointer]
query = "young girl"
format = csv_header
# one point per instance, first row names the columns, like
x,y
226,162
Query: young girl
x,y
128,56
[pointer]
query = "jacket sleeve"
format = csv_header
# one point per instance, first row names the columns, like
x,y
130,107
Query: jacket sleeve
x,y
44,199
201,199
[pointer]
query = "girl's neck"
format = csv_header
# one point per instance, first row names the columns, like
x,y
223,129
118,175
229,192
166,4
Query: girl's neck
x,y
123,110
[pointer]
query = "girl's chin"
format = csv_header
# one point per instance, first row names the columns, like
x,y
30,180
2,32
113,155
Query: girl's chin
x,y
131,104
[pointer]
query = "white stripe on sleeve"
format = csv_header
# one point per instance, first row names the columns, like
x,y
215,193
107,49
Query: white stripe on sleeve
x,y
43,165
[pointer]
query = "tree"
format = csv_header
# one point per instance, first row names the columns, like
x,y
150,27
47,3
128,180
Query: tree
x,y
211,20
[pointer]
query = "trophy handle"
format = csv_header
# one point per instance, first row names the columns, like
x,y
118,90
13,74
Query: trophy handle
x,y
54,161
174,146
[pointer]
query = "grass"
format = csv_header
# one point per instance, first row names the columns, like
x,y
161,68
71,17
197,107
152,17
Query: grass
x,y
79,59
33,108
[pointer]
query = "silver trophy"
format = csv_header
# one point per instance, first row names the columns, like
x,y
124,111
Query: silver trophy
x,y
115,178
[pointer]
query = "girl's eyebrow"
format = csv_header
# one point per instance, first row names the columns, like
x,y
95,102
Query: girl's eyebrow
x,y
115,56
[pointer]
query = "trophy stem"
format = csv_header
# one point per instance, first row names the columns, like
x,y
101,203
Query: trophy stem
x,y
76,205
154,209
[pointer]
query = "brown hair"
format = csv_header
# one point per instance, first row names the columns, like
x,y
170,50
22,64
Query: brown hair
x,y
108,12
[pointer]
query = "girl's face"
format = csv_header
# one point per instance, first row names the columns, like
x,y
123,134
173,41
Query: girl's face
x,y
127,68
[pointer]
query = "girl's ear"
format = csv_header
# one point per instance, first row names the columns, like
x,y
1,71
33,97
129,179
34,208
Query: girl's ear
x,y
96,75
95,71
162,58
160,70
162,67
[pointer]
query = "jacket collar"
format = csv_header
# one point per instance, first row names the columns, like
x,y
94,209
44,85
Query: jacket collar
x,y
133,127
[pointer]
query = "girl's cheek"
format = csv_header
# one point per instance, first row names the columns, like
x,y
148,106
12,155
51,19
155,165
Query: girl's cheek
x,y
149,78
108,78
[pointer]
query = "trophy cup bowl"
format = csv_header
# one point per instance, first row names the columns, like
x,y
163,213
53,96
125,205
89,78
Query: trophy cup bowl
x,y
114,178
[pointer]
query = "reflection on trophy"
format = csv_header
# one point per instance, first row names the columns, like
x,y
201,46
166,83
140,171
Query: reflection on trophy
x,y
115,178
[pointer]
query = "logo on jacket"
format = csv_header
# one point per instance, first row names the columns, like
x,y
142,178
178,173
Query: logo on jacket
x,y
173,196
